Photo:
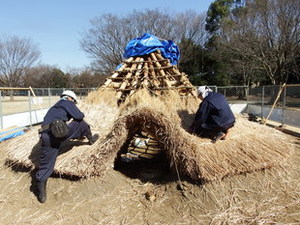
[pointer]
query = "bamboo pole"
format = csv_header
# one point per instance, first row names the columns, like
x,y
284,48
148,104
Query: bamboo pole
x,y
124,65
137,77
161,71
174,82
264,120
35,96
145,79
153,78
116,85
125,83
174,70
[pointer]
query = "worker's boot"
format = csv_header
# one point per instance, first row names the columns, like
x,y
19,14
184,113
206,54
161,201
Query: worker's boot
x,y
225,136
219,136
92,138
42,196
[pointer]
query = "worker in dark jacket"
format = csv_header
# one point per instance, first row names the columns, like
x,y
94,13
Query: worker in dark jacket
x,y
54,131
214,116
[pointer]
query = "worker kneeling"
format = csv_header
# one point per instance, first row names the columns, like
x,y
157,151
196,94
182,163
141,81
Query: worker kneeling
x,y
213,117
54,131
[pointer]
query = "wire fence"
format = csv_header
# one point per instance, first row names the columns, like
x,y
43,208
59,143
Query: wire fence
x,y
278,103
24,103
16,100
271,102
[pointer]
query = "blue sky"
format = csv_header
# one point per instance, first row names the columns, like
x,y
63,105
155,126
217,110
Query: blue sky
x,y
55,25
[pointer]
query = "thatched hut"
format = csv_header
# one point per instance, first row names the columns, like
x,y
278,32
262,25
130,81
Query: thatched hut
x,y
149,93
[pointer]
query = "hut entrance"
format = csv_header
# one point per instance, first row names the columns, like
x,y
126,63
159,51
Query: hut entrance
x,y
142,158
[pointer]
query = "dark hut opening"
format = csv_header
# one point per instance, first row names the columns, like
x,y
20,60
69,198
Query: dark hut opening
x,y
143,162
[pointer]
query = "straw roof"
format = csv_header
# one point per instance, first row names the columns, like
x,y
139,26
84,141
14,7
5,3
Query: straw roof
x,y
250,147
165,110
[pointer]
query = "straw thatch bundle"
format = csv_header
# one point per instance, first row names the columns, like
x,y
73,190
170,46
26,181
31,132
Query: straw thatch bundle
x,y
250,146
24,150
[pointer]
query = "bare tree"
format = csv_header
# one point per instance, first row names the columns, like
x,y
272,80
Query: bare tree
x,y
267,33
88,79
189,30
16,55
109,35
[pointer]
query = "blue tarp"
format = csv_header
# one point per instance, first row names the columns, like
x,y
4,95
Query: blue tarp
x,y
149,43
11,133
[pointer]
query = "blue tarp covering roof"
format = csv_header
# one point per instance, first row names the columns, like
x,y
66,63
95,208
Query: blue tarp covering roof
x,y
149,43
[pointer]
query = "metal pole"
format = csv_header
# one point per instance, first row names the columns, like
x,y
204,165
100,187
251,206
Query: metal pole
x,y
283,106
1,110
29,99
49,96
262,101
13,88
247,95
247,99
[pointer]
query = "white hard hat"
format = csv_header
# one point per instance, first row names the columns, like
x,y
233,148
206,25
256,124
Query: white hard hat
x,y
203,90
70,94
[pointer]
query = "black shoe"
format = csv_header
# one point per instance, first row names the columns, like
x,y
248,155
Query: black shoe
x,y
92,138
42,196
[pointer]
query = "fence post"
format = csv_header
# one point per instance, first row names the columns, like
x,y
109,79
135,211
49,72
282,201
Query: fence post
x,y
283,106
49,96
247,98
1,110
262,102
29,100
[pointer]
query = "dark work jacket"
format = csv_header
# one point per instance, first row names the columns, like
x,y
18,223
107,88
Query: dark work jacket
x,y
214,111
63,110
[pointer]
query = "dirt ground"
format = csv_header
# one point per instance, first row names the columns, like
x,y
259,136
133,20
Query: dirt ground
x,y
22,104
151,195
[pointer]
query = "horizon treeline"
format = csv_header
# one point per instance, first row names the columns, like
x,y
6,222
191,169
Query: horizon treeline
x,y
236,42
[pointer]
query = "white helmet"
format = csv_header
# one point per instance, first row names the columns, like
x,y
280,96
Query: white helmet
x,y
70,94
203,90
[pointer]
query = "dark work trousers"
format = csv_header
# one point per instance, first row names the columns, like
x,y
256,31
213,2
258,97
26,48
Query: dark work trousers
x,y
50,147
207,130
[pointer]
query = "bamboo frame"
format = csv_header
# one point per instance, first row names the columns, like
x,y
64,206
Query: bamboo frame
x,y
152,72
